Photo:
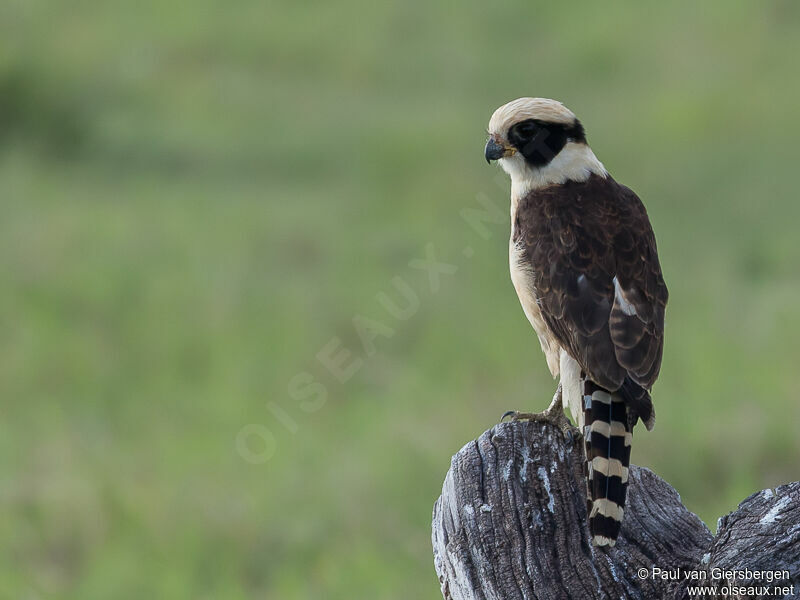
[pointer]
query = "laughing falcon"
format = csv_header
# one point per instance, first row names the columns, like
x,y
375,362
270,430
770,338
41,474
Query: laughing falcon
x,y
584,264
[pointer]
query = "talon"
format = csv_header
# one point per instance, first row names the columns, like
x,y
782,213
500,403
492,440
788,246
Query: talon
x,y
572,434
508,413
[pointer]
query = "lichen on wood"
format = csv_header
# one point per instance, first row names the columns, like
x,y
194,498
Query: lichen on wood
x,y
511,524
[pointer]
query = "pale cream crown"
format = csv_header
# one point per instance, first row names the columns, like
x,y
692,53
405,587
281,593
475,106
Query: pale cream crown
x,y
521,109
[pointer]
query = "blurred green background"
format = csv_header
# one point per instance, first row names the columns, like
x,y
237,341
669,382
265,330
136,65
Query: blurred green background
x,y
198,198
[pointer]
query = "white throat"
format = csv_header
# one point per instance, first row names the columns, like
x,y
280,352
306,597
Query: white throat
x,y
575,162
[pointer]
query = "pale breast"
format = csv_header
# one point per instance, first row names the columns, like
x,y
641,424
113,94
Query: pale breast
x,y
522,278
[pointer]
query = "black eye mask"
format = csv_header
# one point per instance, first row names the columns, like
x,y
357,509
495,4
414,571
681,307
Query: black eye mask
x,y
539,141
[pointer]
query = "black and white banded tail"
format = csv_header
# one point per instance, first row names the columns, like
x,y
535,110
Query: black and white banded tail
x,y
608,453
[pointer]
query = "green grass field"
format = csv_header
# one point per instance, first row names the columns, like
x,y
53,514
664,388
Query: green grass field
x,y
198,198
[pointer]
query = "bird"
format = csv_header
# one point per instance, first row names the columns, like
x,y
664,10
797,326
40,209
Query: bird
x,y
584,264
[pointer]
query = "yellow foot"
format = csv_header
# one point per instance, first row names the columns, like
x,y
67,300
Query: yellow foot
x,y
571,433
553,415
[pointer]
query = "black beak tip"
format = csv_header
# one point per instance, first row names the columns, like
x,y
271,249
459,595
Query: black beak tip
x,y
493,151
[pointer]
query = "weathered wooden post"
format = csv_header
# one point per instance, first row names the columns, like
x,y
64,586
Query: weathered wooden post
x,y
511,524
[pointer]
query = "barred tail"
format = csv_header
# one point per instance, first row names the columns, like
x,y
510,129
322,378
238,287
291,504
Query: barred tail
x,y
608,453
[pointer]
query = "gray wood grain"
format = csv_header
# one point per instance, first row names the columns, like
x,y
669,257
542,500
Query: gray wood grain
x,y
511,524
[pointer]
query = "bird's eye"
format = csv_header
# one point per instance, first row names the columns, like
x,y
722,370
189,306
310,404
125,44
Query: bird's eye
x,y
524,130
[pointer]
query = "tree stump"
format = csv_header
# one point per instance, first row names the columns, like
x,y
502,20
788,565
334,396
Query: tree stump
x,y
511,523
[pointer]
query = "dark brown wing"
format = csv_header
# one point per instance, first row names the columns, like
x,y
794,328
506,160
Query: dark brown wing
x,y
597,278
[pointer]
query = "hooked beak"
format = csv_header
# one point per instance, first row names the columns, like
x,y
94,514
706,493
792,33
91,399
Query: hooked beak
x,y
495,150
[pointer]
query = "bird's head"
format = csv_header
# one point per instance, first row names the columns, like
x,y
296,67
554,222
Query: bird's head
x,y
540,140
532,129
